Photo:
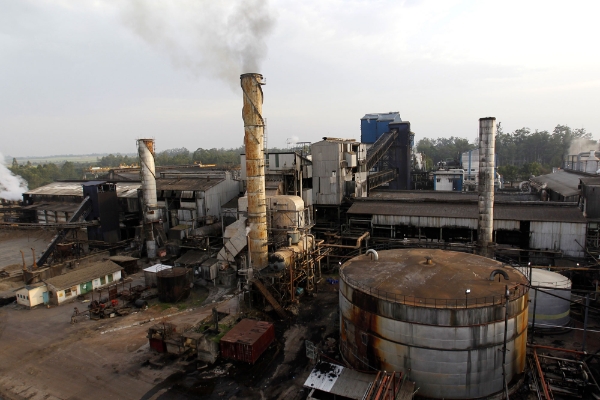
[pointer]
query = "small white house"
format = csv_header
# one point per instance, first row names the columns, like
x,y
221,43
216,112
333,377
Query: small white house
x,y
32,295
81,281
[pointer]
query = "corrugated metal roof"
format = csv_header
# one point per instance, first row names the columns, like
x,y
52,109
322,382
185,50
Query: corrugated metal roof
x,y
192,257
553,212
390,116
74,188
561,182
335,379
83,275
247,331
183,184
434,195
157,267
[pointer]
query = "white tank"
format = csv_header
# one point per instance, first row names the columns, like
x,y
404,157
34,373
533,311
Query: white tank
x,y
550,310
591,165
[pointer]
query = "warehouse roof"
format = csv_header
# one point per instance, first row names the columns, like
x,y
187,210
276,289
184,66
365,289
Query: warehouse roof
x,y
539,211
562,182
437,195
83,275
193,184
74,188
590,181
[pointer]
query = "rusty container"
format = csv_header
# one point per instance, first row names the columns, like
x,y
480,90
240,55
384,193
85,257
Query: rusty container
x,y
173,285
436,315
247,340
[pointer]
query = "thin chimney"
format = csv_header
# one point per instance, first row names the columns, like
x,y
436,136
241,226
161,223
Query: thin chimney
x,y
487,163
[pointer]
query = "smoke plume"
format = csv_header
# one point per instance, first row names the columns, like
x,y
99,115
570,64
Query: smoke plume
x,y
582,145
11,185
222,39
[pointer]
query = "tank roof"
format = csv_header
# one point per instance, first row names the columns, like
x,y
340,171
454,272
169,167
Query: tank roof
x,y
541,277
405,272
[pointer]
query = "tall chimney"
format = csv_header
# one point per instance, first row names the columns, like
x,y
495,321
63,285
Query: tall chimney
x,y
487,146
255,168
150,202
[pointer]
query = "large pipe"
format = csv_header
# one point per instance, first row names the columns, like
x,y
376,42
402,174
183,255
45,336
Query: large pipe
x,y
255,168
487,146
150,202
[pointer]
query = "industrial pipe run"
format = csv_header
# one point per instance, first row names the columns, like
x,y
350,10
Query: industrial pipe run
x,y
150,203
255,168
487,147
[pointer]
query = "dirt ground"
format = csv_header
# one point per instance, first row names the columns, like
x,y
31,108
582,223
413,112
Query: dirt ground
x,y
11,241
44,356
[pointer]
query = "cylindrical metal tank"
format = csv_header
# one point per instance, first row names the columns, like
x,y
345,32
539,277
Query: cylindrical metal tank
x,y
173,285
254,125
550,310
487,149
438,316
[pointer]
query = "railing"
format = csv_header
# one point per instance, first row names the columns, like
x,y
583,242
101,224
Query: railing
x,y
515,291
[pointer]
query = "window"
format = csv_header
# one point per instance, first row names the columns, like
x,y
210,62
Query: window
x,y
27,297
110,278
67,292
102,280
438,180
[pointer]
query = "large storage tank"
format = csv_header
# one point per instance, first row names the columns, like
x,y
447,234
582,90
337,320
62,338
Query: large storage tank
x,y
550,310
436,316
173,285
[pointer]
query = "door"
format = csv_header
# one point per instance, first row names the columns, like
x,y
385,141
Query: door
x,y
86,287
46,298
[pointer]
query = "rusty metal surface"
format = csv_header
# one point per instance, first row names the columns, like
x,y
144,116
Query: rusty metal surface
x,y
247,340
255,168
400,273
450,352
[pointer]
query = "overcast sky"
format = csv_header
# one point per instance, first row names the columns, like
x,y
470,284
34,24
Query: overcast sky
x,y
92,76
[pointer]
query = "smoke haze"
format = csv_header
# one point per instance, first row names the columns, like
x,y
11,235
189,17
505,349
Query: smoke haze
x,y
11,185
222,39
582,145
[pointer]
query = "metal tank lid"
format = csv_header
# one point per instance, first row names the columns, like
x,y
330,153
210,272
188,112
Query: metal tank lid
x,y
431,274
542,277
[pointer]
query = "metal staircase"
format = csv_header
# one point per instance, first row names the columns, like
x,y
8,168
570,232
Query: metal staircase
x,y
267,295
380,147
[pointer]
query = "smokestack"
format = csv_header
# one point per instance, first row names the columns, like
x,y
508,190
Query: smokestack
x,y
255,168
150,202
487,162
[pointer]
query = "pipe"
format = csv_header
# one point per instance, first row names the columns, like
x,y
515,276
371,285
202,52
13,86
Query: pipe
x,y
487,144
255,167
496,272
541,373
364,236
24,263
34,263
375,255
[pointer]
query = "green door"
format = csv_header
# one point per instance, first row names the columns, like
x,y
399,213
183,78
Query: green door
x,y
86,287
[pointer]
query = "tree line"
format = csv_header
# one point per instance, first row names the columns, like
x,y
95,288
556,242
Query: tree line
x,y
520,154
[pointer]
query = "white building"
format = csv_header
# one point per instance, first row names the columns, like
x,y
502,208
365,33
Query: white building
x,y
32,295
68,286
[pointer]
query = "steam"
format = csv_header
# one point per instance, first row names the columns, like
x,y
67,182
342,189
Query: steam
x,y
11,185
222,39
582,145
248,230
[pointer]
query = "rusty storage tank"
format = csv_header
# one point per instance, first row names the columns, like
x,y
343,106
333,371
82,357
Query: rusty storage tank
x,y
173,285
436,316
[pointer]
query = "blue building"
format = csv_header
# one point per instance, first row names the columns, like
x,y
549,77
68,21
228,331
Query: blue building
x,y
372,126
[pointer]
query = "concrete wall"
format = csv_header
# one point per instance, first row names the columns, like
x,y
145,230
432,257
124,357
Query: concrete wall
x,y
64,295
31,298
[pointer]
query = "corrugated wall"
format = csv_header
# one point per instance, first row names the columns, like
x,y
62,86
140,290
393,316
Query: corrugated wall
x,y
558,236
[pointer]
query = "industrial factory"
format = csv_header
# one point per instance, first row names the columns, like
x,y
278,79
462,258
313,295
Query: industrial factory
x,y
340,269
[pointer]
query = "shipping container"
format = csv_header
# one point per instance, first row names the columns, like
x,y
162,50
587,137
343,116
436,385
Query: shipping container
x,y
247,340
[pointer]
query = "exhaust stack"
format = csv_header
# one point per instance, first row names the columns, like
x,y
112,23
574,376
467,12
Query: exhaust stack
x,y
487,162
255,168
150,203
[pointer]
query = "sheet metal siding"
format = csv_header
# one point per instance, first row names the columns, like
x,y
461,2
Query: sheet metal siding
x,y
558,235
327,189
248,351
459,361
424,222
218,195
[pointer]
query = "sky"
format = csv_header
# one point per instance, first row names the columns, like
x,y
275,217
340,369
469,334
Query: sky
x,y
81,77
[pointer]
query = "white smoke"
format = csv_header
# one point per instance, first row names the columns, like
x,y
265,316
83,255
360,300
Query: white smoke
x,y
223,39
11,186
582,145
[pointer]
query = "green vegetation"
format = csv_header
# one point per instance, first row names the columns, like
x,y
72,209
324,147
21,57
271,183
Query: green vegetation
x,y
521,153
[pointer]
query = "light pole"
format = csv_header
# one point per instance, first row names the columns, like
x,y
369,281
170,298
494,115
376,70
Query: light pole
x,y
467,297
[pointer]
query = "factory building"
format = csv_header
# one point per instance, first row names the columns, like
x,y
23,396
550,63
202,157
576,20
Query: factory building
x,y
438,216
